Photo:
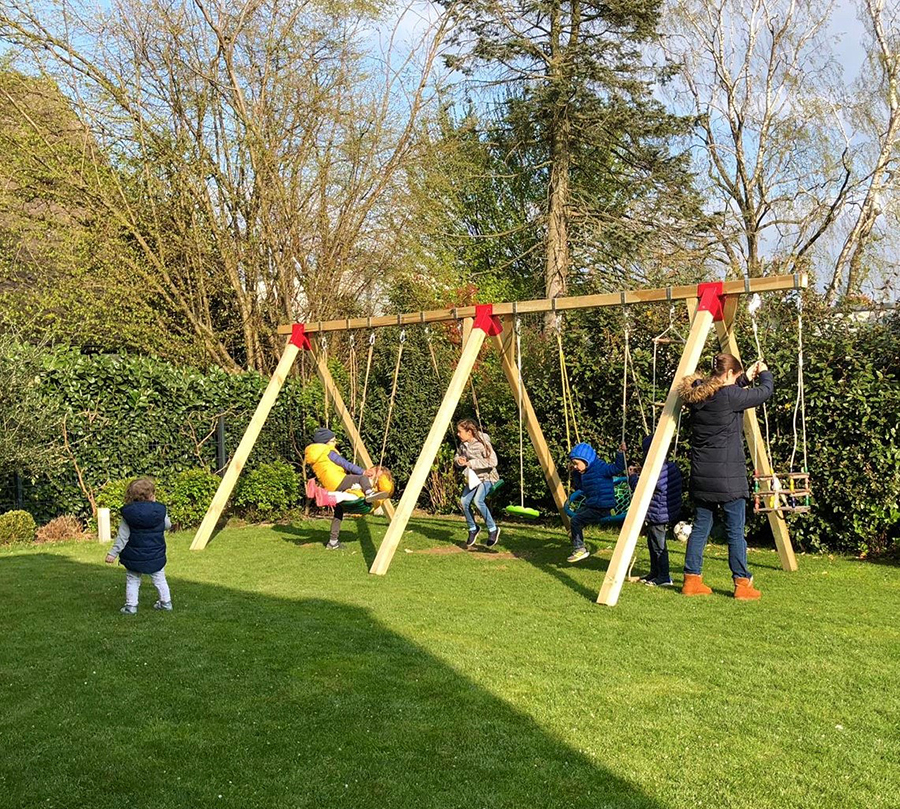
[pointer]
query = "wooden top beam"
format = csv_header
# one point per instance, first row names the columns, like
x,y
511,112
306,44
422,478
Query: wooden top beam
x,y
771,283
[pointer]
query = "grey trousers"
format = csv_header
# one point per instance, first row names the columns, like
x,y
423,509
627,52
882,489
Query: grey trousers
x,y
133,585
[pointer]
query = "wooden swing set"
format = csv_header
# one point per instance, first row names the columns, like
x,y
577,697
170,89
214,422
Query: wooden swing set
x,y
711,305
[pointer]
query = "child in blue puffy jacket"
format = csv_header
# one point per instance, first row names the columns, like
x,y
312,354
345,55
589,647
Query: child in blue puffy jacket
x,y
595,478
141,544
663,511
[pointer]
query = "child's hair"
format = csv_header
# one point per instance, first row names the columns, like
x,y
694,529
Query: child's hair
x,y
723,363
383,480
470,426
140,490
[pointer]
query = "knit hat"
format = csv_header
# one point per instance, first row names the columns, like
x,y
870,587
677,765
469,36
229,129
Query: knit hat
x,y
322,436
583,452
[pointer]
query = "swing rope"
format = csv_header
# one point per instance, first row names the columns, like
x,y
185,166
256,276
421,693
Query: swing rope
x,y
659,339
518,329
323,344
629,363
365,390
352,361
568,399
755,303
800,402
387,423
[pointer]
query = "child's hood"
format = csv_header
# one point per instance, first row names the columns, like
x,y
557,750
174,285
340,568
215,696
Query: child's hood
x,y
696,389
144,514
583,452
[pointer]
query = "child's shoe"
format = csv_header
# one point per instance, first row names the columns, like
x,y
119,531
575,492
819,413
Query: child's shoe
x,y
163,605
745,591
473,535
334,546
577,555
129,609
373,497
493,537
660,583
694,586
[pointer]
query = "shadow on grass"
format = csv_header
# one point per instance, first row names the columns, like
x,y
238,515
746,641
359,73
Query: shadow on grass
x,y
240,699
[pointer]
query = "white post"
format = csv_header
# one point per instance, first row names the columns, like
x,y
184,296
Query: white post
x,y
103,530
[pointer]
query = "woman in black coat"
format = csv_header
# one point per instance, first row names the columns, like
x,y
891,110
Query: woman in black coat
x,y
719,466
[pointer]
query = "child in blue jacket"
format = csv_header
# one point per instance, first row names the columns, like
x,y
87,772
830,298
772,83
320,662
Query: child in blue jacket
x,y
141,544
664,510
595,478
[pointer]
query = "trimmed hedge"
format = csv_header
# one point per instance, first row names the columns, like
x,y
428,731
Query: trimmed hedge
x,y
128,416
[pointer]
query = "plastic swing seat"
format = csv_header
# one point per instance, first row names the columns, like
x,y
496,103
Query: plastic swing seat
x,y
523,511
323,497
617,515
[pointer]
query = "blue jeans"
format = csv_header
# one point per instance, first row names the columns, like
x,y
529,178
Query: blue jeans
x,y
586,515
735,516
477,495
659,553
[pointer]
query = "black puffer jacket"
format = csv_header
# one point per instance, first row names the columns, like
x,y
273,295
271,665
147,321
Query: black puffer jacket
x,y
718,462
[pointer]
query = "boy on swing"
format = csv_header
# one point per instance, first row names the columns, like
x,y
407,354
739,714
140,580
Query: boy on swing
x,y
337,474
595,478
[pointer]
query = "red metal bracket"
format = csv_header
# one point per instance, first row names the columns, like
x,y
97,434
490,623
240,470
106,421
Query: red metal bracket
x,y
486,320
711,299
299,337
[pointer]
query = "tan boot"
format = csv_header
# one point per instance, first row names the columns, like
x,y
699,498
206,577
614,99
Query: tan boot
x,y
694,586
745,591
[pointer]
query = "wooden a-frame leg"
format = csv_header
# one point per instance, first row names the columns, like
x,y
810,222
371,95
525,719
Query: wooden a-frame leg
x,y
346,419
229,479
429,451
656,456
757,445
505,344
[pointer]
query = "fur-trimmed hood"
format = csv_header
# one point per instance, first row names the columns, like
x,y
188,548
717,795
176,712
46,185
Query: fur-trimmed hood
x,y
697,388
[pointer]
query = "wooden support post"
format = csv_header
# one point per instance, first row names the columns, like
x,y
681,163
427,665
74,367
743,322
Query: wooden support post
x,y
429,452
757,445
346,419
104,534
656,456
229,479
506,345
466,329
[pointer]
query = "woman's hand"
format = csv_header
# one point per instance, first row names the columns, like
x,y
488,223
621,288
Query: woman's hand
x,y
754,370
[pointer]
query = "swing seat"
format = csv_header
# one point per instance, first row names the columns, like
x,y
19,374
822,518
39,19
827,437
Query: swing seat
x,y
353,501
617,515
523,511
787,493
496,487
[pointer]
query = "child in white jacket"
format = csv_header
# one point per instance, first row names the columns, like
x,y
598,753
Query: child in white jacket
x,y
476,455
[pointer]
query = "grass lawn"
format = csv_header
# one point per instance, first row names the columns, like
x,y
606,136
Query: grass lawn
x,y
289,677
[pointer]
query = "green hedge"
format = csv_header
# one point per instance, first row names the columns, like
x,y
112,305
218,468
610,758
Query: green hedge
x,y
128,416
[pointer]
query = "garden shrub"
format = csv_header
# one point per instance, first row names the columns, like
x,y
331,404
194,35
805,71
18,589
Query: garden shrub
x,y
268,491
188,496
61,529
16,528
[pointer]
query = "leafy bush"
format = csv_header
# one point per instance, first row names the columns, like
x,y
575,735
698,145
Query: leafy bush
x,y
16,527
61,529
268,491
189,495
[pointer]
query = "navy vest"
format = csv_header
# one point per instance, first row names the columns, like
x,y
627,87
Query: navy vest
x,y
145,551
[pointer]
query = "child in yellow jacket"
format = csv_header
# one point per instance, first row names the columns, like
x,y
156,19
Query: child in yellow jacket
x,y
337,474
